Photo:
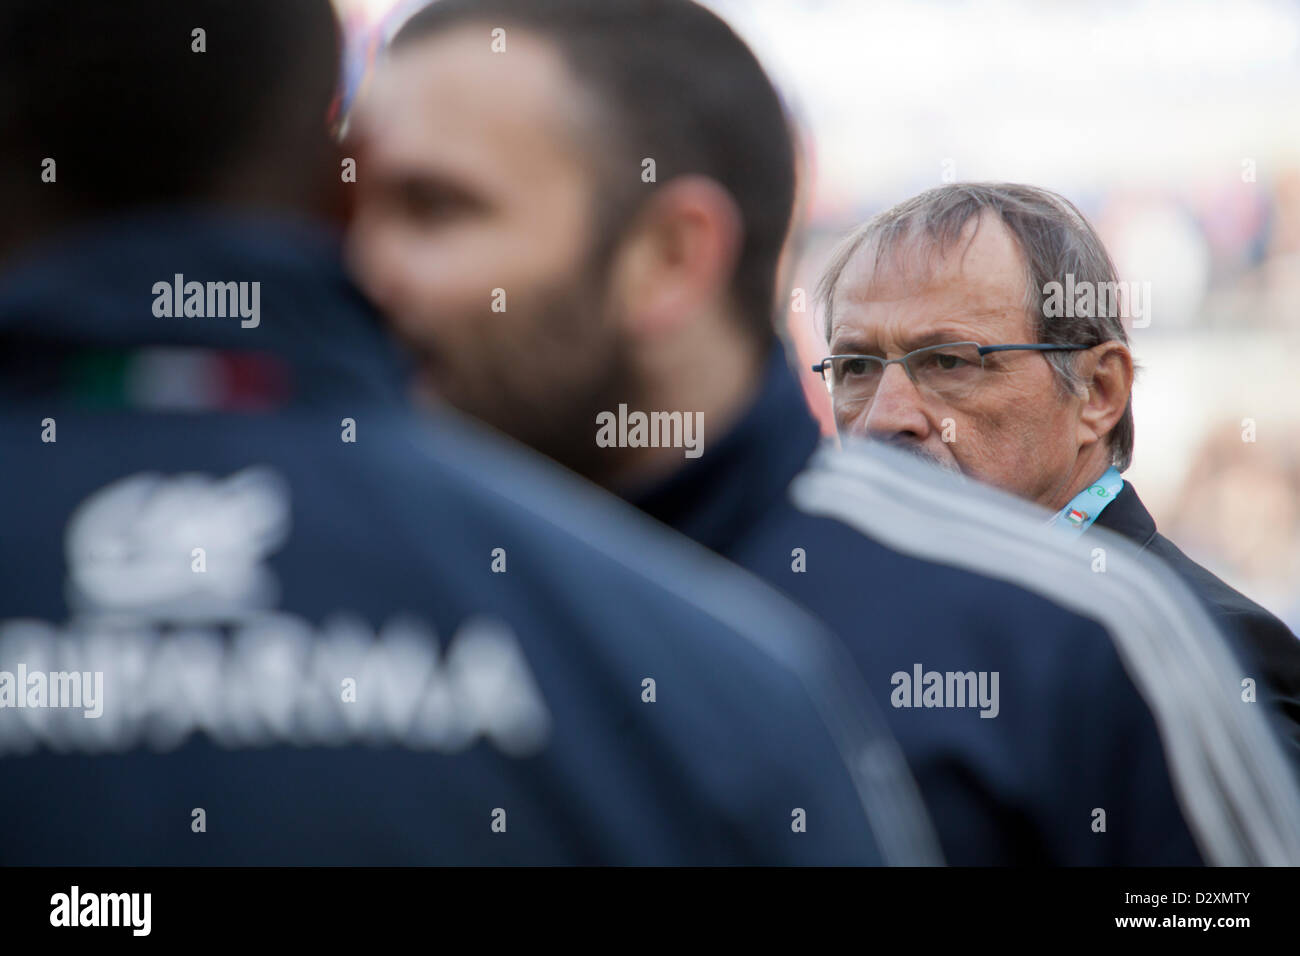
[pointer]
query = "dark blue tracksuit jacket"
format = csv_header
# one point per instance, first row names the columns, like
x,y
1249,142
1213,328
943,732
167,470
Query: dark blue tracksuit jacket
x,y
1073,734
419,646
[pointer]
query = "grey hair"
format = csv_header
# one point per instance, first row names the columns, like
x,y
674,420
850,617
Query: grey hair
x,y
1055,240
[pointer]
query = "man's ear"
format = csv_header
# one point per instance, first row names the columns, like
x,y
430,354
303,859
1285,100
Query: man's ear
x,y
678,258
1108,379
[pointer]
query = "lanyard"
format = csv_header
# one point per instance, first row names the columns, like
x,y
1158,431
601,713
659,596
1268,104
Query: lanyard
x,y
1078,516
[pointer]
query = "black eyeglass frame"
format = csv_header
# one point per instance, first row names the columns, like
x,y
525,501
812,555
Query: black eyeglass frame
x,y
820,367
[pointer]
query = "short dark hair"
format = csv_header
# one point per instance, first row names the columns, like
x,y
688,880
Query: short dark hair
x,y
114,93
674,83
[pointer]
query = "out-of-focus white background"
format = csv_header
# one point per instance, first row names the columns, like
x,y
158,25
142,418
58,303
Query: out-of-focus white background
x,y
1173,124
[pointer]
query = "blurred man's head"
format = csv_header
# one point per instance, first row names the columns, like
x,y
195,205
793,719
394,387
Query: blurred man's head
x,y
973,263
133,113
572,204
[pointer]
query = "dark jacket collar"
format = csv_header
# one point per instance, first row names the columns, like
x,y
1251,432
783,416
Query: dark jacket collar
x,y
90,288
1127,516
741,474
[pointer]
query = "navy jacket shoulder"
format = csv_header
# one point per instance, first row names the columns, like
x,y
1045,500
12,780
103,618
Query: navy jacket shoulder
x,y
1260,636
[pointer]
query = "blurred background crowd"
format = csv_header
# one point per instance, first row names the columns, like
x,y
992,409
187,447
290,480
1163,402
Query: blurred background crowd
x,y
1171,127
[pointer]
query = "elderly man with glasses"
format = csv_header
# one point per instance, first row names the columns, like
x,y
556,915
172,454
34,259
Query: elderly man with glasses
x,y
943,343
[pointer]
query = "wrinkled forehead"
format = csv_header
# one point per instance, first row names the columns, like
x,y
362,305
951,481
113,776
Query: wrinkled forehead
x,y
982,264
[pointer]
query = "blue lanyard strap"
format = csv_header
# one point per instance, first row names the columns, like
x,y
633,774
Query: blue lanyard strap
x,y
1078,516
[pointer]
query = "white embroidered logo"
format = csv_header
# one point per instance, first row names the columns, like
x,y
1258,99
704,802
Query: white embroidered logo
x,y
184,650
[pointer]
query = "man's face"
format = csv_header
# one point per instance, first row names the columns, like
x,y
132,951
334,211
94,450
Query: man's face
x,y
1015,429
474,230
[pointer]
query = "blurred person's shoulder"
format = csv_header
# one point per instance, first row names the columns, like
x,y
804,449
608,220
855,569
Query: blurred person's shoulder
x,y
1097,599
1267,646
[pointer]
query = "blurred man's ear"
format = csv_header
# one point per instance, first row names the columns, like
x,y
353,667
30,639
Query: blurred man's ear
x,y
678,258
1107,371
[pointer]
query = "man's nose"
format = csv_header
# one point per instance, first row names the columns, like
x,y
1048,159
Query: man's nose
x,y
897,411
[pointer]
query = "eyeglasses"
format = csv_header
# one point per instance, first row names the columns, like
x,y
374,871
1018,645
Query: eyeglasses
x,y
951,371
